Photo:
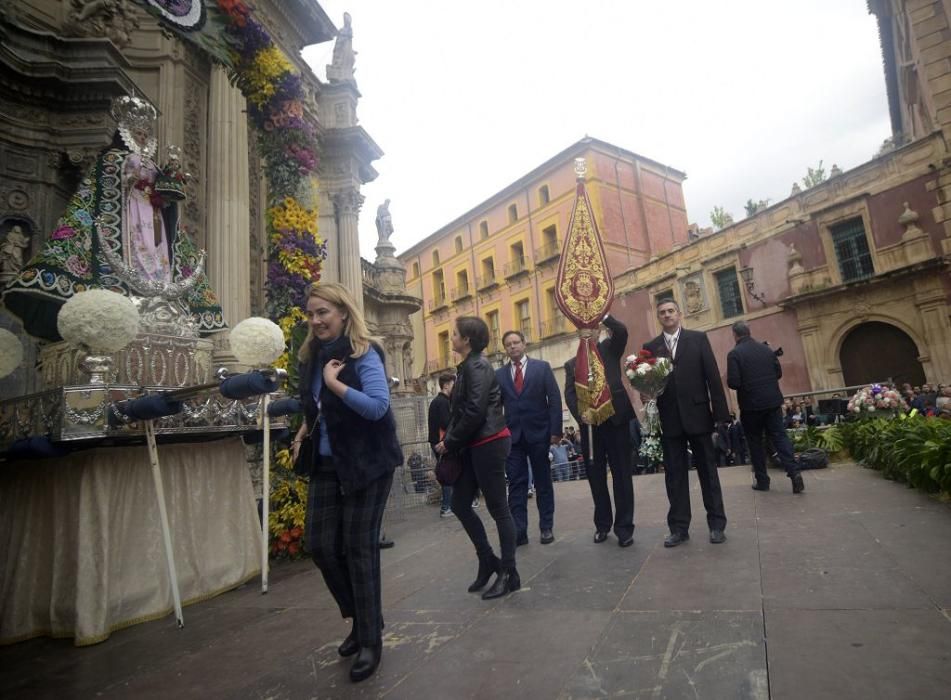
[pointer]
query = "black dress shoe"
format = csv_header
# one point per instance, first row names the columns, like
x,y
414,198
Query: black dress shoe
x,y
364,666
797,484
676,538
717,537
350,645
487,566
600,536
506,582
626,543
759,486
547,537
386,543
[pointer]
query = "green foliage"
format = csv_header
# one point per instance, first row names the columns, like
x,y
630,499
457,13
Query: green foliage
x,y
720,218
831,439
754,207
915,450
804,438
814,176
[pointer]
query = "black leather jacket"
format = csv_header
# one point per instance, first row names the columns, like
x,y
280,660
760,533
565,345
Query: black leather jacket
x,y
475,407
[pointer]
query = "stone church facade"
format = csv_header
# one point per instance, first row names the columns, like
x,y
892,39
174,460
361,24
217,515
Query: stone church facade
x,y
61,64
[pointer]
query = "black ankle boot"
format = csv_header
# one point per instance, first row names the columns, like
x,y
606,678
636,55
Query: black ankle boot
x,y
506,582
487,566
364,666
350,645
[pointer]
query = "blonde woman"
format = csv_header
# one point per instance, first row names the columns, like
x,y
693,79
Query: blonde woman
x,y
347,402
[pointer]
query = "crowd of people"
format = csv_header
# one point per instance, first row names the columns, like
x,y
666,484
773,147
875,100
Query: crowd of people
x,y
499,432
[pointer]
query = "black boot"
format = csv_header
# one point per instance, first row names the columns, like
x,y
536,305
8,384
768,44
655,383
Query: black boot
x,y
364,666
350,645
487,566
506,582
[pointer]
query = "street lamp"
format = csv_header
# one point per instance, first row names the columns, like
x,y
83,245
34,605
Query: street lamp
x,y
746,274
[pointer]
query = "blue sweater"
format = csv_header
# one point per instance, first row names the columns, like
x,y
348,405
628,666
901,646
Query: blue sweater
x,y
371,403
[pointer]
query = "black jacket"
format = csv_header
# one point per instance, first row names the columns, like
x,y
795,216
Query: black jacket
x,y
438,417
753,370
695,384
612,352
475,407
363,450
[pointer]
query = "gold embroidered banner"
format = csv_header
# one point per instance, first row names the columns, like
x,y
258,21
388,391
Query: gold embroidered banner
x,y
584,291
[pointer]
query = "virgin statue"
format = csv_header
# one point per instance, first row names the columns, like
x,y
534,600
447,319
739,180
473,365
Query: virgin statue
x,y
120,232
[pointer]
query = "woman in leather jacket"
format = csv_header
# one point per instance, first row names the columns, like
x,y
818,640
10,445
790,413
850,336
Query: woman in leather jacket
x,y
477,434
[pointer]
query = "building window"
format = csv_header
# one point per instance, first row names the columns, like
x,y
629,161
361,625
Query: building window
x,y
416,269
462,284
488,271
445,350
435,258
483,230
666,295
457,244
851,250
513,213
728,286
492,321
523,318
543,196
439,287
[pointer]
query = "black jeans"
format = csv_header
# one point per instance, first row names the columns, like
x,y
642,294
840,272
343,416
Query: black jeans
x,y
770,422
484,469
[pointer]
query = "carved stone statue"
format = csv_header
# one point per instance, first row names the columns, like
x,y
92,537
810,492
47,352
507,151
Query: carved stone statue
x,y
341,66
384,222
112,19
11,252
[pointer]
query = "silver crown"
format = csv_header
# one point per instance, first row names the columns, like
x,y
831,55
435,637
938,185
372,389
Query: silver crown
x,y
135,113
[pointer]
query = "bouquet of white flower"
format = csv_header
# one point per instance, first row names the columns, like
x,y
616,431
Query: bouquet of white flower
x,y
100,320
11,352
257,341
648,374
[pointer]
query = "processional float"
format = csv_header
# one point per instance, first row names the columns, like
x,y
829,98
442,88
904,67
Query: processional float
x,y
127,400
584,291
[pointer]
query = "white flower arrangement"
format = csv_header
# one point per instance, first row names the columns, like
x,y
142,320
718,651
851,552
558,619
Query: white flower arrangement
x,y
257,341
11,352
100,320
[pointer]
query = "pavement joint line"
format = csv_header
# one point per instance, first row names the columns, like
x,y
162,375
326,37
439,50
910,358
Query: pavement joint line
x,y
762,593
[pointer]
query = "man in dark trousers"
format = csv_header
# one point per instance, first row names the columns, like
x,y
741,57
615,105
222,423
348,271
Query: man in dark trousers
x,y
612,441
686,417
533,415
737,440
753,370
438,421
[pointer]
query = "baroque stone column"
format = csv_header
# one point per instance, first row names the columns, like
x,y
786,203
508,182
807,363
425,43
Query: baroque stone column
x,y
347,207
229,224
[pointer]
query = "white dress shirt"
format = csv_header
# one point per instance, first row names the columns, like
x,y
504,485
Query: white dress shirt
x,y
524,363
671,342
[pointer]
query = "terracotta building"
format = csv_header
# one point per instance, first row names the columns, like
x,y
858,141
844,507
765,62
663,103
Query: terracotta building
x,y
498,261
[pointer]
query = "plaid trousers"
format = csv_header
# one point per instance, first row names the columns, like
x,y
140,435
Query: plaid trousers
x,y
343,535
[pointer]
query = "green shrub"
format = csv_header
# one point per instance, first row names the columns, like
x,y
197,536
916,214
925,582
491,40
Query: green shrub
x,y
915,450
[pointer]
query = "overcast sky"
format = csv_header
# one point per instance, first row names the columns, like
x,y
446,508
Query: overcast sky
x,y
743,95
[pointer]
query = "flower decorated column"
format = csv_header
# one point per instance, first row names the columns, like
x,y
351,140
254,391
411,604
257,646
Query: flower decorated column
x,y
229,218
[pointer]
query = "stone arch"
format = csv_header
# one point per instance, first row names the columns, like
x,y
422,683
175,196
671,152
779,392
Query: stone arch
x,y
877,348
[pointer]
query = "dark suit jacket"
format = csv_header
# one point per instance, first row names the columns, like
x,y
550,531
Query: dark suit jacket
x,y
571,402
438,418
753,370
685,405
612,352
535,414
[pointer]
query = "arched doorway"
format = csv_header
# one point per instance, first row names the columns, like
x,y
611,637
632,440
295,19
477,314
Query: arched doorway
x,y
876,351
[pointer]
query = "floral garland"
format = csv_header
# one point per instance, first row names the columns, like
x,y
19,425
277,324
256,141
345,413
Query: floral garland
x,y
295,252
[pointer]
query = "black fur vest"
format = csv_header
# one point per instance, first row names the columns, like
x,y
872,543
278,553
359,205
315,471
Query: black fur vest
x,y
363,450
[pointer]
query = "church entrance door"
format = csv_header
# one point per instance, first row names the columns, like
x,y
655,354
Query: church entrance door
x,y
877,352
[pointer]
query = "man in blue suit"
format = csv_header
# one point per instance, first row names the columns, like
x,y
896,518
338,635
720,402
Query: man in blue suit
x,y
533,414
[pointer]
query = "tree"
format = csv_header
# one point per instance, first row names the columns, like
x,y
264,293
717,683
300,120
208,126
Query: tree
x,y
814,176
720,218
754,207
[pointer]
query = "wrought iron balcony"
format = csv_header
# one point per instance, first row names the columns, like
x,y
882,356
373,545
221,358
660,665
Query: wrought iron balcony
x,y
460,293
438,302
486,281
515,268
555,326
547,253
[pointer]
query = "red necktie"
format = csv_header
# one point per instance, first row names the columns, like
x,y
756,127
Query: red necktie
x,y
519,379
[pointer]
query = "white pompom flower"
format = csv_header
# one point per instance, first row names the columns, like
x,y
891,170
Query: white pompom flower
x,y
100,320
11,352
257,342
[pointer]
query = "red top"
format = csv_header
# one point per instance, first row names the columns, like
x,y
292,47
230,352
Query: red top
x,y
504,432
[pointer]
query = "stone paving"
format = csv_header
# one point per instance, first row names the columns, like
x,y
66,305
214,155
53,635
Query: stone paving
x,y
843,592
